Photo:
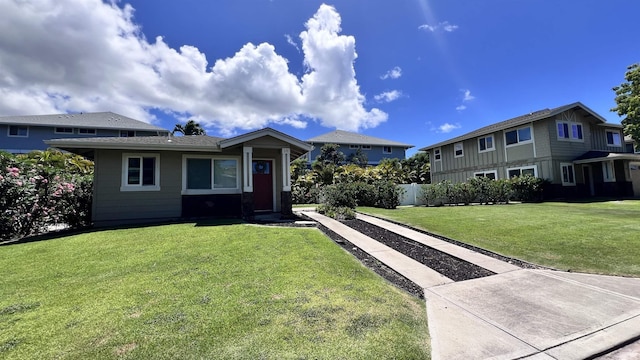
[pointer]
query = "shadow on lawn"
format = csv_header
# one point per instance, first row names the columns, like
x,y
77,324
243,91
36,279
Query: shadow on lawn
x,y
70,232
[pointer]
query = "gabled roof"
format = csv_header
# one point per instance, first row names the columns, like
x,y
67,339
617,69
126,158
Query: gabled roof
x,y
517,121
97,120
202,143
346,137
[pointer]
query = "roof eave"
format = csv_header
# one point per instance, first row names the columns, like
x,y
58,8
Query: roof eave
x,y
121,146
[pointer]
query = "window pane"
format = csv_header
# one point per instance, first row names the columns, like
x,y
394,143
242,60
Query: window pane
x,y
148,171
576,131
561,132
18,130
514,172
490,175
571,176
133,172
483,144
225,174
489,140
565,174
198,174
524,134
528,172
512,137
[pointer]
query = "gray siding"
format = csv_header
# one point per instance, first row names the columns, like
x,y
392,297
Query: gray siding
x,y
112,205
38,134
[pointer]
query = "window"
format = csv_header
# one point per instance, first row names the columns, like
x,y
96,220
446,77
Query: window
x,y
522,171
491,174
354,146
207,175
18,131
386,149
568,175
569,131
613,138
366,147
486,143
140,172
127,133
458,150
63,130
87,131
518,136
608,171
437,155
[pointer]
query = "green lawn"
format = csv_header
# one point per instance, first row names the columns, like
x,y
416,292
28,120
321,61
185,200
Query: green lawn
x,y
599,237
207,292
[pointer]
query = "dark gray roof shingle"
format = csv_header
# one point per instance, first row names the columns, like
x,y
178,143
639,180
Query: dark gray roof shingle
x,y
346,137
97,120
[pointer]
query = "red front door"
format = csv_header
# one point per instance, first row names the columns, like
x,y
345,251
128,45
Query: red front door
x,y
262,185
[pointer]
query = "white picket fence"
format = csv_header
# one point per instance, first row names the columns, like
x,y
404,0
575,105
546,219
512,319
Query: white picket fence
x,y
411,195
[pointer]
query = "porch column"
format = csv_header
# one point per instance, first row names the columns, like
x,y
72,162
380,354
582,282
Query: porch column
x,y
286,169
286,203
247,183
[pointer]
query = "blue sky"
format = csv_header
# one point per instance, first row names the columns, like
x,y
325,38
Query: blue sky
x,y
415,71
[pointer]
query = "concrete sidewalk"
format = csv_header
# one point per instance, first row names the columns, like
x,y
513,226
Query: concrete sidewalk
x,y
516,314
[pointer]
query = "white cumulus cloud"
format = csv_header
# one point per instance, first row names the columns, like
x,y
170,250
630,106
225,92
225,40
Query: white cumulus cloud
x,y
388,96
441,26
447,128
88,55
394,73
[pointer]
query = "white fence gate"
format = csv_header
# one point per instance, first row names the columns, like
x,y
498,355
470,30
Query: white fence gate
x,y
411,195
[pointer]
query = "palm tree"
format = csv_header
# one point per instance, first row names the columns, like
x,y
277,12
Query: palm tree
x,y
190,128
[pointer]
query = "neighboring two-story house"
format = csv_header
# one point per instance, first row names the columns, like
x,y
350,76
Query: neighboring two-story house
x,y
22,134
571,146
374,148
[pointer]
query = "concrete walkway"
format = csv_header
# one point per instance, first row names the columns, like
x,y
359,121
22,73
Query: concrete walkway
x,y
515,314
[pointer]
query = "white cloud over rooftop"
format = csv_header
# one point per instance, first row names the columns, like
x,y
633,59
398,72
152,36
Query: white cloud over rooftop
x,y
86,55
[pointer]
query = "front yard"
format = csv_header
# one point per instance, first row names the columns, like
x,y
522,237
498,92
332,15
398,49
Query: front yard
x,y
597,237
213,292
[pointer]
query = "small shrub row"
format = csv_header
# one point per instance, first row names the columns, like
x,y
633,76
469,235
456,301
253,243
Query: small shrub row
x,y
340,200
484,191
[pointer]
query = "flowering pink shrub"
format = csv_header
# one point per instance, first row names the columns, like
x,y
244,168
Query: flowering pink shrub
x,y
37,194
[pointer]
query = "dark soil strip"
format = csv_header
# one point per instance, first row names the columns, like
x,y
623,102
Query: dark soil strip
x,y
375,265
450,266
516,262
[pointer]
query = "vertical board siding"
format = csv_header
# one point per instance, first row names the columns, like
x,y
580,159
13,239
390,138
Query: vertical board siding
x,y
113,204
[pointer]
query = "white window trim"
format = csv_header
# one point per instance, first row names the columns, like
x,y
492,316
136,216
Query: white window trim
x,y
461,148
530,141
236,190
18,136
95,131
387,152
534,167
55,130
493,144
365,147
439,150
124,186
611,178
570,130
484,173
620,137
573,169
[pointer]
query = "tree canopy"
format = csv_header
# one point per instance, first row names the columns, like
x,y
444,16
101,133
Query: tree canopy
x,y
628,102
190,128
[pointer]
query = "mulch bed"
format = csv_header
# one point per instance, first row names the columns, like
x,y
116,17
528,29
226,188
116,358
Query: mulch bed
x,y
447,265
372,263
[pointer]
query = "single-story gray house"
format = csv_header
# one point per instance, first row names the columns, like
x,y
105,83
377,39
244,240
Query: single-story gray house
x,y
155,178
